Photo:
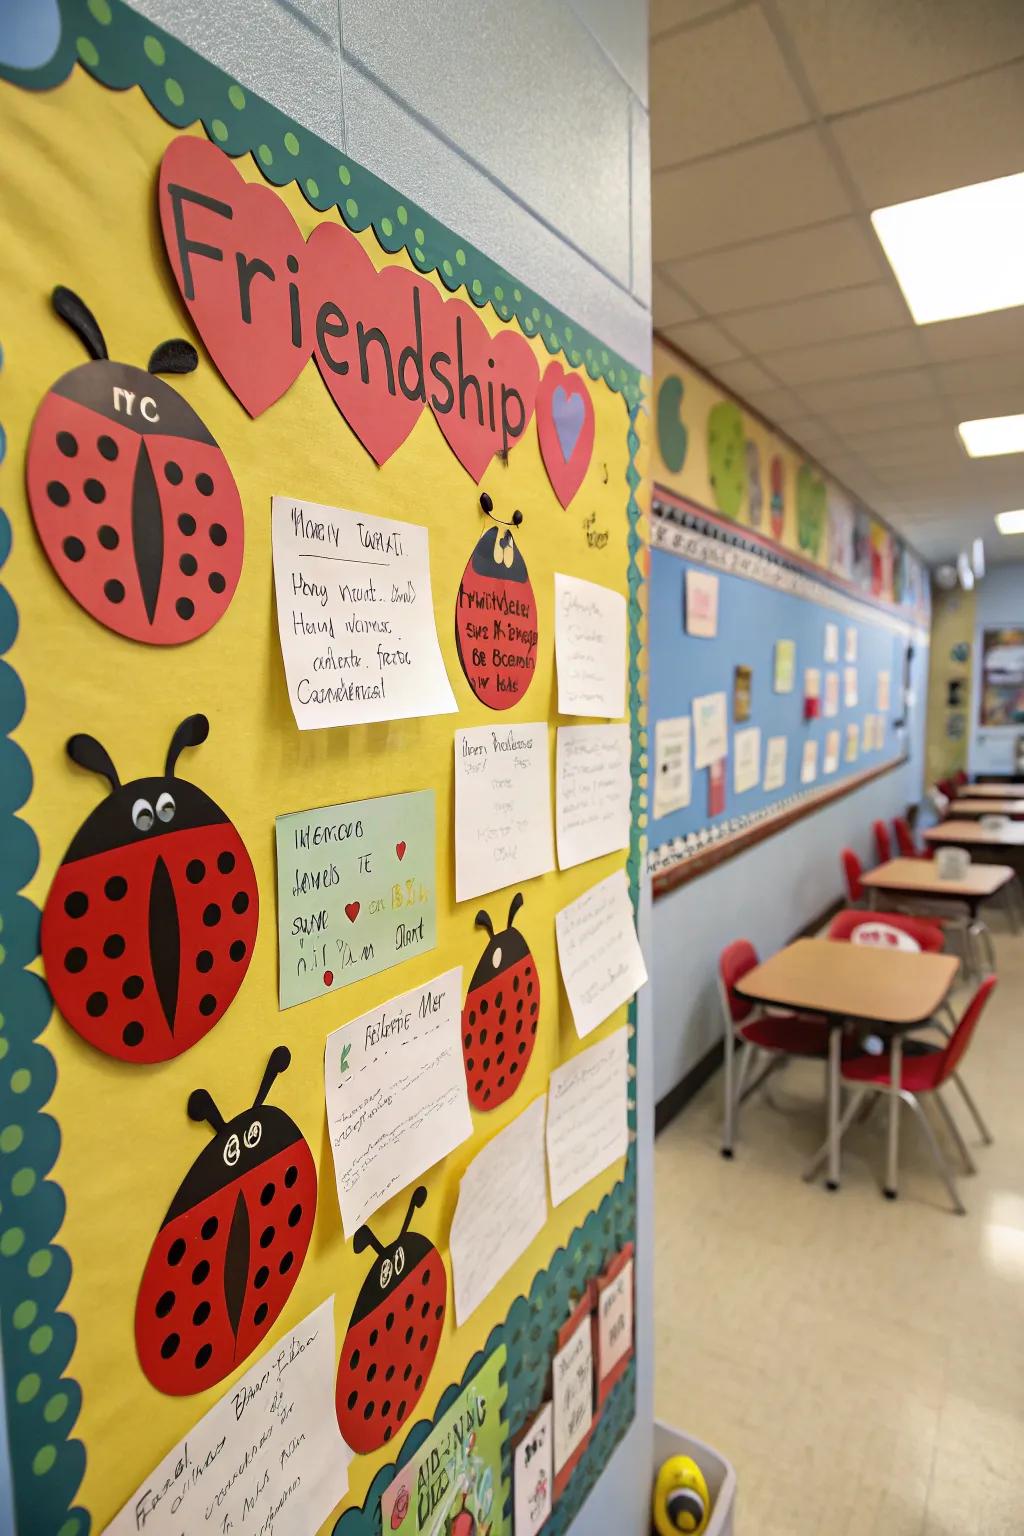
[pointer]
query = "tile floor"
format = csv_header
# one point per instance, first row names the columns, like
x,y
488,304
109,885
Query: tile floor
x,y
860,1362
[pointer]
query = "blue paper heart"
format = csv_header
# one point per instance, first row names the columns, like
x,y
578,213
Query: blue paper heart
x,y
567,413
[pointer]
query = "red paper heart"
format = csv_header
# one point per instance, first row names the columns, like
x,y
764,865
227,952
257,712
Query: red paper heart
x,y
478,432
400,850
566,437
245,223
352,911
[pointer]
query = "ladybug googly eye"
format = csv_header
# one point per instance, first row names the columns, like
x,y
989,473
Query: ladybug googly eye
x,y
253,1134
232,1150
165,807
496,957
385,1274
142,815
399,1259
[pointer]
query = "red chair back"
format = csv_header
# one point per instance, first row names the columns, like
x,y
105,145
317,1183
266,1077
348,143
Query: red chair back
x,y
860,927
947,787
960,778
852,871
883,842
961,1038
905,838
733,964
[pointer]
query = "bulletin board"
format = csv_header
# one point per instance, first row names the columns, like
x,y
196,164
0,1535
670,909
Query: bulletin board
x,y
181,703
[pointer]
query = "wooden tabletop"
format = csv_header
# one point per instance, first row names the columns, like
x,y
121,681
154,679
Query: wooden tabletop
x,y
989,807
921,877
853,981
1004,791
960,833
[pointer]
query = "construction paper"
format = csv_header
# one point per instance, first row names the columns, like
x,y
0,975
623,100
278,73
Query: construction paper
x,y
852,742
598,952
831,648
151,919
534,1474
831,694
742,681
716,787
812,683
809,763
775,762
355,616
502,1205
710,729
453,1484
396,1095
501,1012
746,763
489,401
231,1245
590,648
393,1334
502,807
613,1330
672,780
701,604
592,790
572,1391
565,429
868,733
587,1115
850,646
785,666
356,891
883,692
850,686
496,621
134,502
267,1456
831,762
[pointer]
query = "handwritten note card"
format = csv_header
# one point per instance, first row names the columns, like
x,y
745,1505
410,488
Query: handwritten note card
x,y
701,604
746,767
850,650
710,729
534,1474
590,648
356,616
502,1206
775,762
850,685
831,652
831,694
572,1391
831,762
502,807
883,692
587,1115
852,742
599,954
672,781
355,891
785,666
267,1458
809,763
396,1095
614,1319
592,792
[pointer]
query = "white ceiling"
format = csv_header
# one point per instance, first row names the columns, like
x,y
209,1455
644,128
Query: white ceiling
x,y
776,126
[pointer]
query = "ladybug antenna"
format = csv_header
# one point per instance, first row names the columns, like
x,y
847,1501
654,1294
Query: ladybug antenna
x,y
174,357
483,920
280,1061
419,1197
364,1238
74,312
201,1107
190,733
87,752
517,902
487,507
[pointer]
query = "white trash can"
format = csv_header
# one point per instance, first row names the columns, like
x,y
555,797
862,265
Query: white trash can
x,y
719,1474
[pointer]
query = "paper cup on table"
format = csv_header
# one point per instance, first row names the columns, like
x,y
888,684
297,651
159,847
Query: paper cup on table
x,y
952,863
995,823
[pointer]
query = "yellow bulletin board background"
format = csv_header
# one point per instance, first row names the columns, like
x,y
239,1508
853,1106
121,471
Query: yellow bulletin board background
x,y
79,208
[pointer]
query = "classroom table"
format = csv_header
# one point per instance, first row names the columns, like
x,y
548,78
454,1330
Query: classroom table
x,y
971,834
920,878
989,807
896,990
1012,791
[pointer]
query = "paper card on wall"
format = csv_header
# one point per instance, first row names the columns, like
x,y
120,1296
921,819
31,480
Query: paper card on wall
x,y
850,686
882,702
809,763
701,604
613,1333
672,782
812,683
502,1206
831,694
852,742
775,762
831,651
868,733
396,1095
742,682
716,787
710,729
599,953
355,616
785,666
572,1390
587,1129
592,789
267,1456
355,891
502,807
831,762
746,765
534,1474
590,648
850,650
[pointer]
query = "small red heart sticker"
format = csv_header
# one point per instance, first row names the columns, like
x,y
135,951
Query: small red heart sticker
x,y
400,850
352,911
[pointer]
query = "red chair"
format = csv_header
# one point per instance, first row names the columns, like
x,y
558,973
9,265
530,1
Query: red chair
x,y
747,1025
883,842
852,871
855,926
905,839
947,787
960,779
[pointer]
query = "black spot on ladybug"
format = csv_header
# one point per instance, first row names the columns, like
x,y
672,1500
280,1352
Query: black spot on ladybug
x,y
387,1432
204,961
353,1360
484,1006
513,1067
407,1373
58,493
286,1263
425,1309
237,950
211,915
96,1005
174,472
261,1277
207,1005
218,534
374,1336
369,1411
195,871
109,537
176,1252
216,581
260,1315
184,607
267,1194
116,888
266,1237
132,1033
188,565
439,1313
240,902
389,1373
295,1215
226,862
385,1407
204,485
76,904
165,1303
353,1398
95,491
371,1371
418,1383
522,1047
113,591
68,444
75,960
401,1410
74,549
290,1177
201,1313
203,1354
209,1228
132,986
201,1272
410,1334
107,447
187,524
389,1321
169,1347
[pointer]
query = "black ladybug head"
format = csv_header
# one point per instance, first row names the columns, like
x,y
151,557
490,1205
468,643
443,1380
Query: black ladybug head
x,y
393,1264
254,1136
145,808
504,950
497,558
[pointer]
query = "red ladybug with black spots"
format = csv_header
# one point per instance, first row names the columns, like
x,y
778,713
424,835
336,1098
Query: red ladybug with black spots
x,y
500,1015
151,919
231,1245
392,1336
133,500
496,617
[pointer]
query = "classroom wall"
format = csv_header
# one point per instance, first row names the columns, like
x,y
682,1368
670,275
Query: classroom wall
x,y
952,662
998,602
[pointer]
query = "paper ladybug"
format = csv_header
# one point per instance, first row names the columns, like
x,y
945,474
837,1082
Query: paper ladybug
x,y
392,1335
151,918
231,1245
499,1018
134,502
496,617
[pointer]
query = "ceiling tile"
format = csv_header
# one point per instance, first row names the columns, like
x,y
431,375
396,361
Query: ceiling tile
x,y
744,376
851,421
745,193
983,373
704,342
670,308
873,389
847,359
717,85
777,404
826,316
975,336
864,51
827,256
666,14
901,437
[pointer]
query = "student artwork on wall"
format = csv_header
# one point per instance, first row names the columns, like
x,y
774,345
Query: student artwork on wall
x,y
502,1007
496,618
742,683
701,604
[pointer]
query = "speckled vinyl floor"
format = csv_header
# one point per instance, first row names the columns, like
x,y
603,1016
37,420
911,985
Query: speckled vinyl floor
x,y
860,1362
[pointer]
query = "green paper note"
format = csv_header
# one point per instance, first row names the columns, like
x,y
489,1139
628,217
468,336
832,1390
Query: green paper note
x,y
356,891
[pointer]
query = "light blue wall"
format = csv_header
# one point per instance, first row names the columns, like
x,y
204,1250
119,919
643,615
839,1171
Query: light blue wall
x,y
998,601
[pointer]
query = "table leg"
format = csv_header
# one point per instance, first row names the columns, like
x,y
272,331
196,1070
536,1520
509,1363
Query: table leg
x,y
835,1047
895,1070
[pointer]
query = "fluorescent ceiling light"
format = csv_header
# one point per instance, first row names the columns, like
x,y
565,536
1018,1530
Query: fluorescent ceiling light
x,y
978,558
958,253
963,570
993,434
1010,522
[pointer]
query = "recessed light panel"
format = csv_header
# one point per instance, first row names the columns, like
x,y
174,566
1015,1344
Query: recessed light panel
x,y
958,253
991,435
1010,522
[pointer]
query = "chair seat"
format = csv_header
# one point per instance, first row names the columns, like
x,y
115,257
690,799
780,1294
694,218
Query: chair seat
x,y
919,1068
798,1034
